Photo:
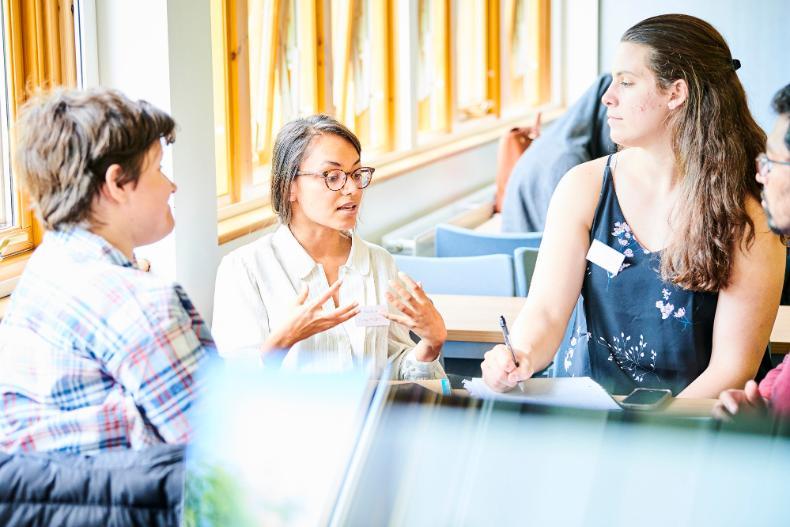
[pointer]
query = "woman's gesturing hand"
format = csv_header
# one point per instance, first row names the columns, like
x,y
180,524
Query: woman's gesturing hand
x,y
418,313
309,318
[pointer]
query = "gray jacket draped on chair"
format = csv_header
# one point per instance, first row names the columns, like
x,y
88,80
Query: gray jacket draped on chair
x,y
581,134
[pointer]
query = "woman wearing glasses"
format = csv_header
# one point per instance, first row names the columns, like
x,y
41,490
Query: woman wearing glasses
x,y
665,240
303,287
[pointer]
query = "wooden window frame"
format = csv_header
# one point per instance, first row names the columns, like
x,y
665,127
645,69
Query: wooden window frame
x,y
236,158
489,107
434,115
406,148
375,125
40,48
537,88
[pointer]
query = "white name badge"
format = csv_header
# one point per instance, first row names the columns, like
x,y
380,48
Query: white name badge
x,y
604,256
372,316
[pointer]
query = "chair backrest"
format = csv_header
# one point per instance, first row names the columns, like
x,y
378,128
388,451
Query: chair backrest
x,y
490,275
524,259
458,241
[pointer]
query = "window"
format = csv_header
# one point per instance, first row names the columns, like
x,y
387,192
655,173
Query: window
x,y
433,84
406,77
267,73
526,53
283,71
474,31
38,52
361,84
6,205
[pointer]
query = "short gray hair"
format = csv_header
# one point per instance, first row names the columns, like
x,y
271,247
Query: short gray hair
x,y
290,147
66,141
781,105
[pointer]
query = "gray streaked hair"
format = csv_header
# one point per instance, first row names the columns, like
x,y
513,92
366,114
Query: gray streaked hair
x,y
293,141
781,105
66,141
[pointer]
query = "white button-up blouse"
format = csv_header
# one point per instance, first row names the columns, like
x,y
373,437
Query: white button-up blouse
x,y
257,286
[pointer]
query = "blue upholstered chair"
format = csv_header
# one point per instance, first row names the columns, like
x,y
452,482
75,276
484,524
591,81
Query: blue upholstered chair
x,y
490,275
458,241
524,260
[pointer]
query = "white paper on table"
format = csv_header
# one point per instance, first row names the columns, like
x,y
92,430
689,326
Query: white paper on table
x,y
573,392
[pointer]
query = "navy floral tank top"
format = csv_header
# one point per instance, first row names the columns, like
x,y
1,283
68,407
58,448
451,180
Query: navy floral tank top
x,y
640,331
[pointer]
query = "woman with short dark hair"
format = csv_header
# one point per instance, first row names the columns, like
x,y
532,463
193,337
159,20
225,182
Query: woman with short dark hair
x,y
301,287
97,354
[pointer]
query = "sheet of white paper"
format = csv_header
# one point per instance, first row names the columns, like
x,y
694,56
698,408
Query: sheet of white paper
x,y
573,392
371,316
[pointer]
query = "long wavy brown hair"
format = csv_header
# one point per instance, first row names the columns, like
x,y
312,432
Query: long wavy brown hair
x,y
715,141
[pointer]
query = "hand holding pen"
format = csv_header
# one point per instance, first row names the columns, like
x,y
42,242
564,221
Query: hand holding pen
x,y
506,334
501,370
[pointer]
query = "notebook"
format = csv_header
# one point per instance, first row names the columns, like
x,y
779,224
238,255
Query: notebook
x,y
571,392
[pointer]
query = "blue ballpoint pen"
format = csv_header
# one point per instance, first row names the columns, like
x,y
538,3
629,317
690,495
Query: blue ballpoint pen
x,y
506,333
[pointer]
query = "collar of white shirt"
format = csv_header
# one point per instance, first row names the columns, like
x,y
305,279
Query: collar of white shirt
x,y
295,257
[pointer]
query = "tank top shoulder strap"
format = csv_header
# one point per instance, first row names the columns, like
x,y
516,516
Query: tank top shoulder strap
x,y
602,210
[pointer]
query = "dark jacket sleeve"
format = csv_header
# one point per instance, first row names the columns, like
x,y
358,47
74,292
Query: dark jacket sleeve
x,y
527,197
115,488
579,135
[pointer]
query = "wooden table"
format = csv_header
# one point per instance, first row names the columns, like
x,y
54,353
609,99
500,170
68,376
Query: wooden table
x,y
683,407
780,335
676,407
476,319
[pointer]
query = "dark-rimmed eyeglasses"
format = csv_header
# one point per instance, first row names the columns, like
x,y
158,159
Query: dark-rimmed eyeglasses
x,y
766,164
335,179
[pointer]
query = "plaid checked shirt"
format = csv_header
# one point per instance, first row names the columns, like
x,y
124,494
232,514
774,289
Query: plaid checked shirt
x,y
95,354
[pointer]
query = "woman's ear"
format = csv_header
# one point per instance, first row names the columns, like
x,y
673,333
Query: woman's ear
x,y
111,189
678,94
292,191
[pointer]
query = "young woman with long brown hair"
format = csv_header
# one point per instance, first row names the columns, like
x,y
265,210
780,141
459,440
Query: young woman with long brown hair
x,y
665,240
